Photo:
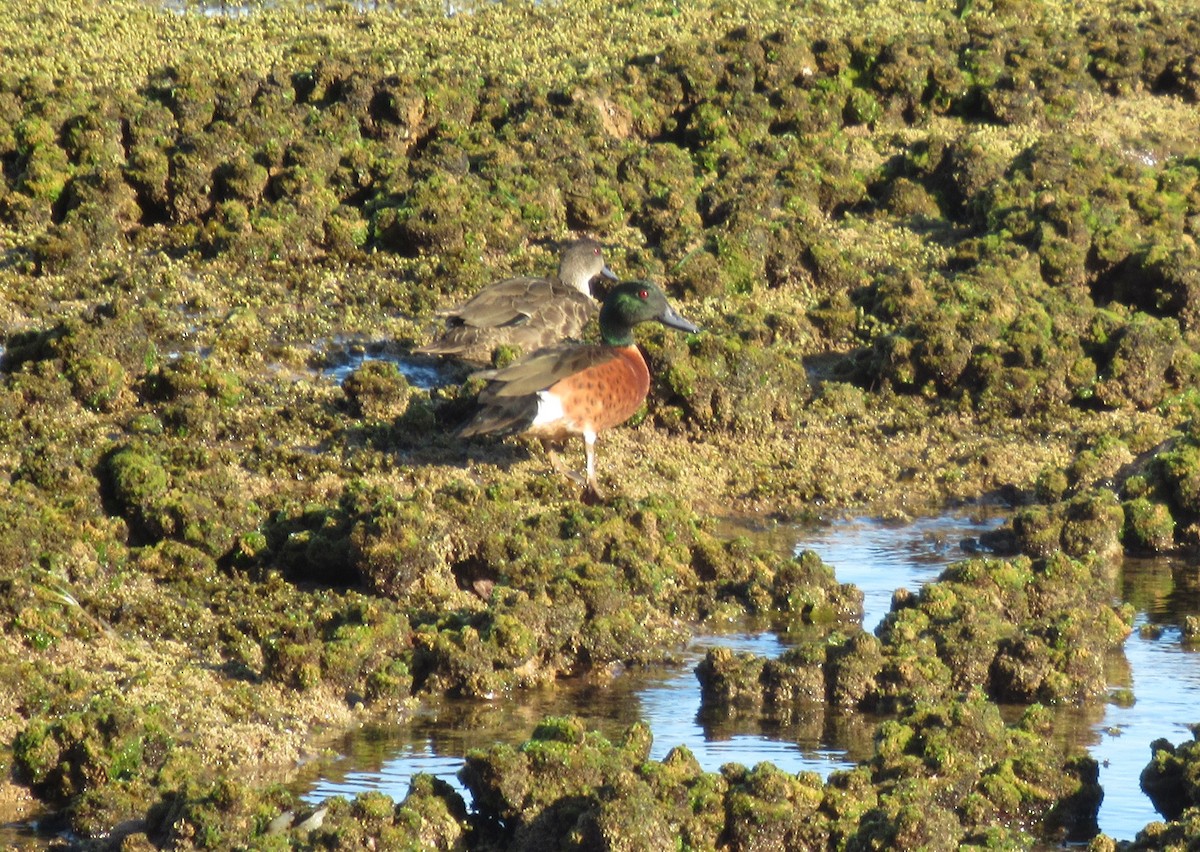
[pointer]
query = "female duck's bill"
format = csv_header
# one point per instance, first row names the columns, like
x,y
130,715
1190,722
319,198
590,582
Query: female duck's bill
x,y
578,389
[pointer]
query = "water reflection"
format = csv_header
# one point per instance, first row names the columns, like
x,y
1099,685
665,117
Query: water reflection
x,y
24,835
880,557
1154,690
1154,685
813,740
668,699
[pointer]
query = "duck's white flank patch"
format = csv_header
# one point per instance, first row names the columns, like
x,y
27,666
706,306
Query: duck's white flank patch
x,y
549,409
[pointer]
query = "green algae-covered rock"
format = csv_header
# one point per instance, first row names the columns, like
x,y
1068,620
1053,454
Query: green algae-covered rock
x,y
852,669
951,770
567,786
98,381
1087,524
1148,526
768,808
431,816
108,741
1029,631
566,589
1149,360
1169,777
1016,776
155,500
732,678
139,482
377,389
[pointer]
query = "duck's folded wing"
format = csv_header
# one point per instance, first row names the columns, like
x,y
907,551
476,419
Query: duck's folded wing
x,y
541,369
562,317
502,417
506,303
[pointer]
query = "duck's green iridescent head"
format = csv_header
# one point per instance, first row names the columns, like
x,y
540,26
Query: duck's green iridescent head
x,y
636,302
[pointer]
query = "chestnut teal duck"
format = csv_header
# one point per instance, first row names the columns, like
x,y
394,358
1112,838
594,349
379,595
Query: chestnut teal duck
x,y
576,388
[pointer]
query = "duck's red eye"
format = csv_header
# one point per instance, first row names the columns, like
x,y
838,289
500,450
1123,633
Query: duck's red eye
x,y
643,294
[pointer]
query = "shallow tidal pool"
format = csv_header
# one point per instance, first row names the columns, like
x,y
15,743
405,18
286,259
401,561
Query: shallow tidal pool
x,y
1154,687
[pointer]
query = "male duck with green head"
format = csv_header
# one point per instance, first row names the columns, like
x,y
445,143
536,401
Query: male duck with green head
x,y
578,389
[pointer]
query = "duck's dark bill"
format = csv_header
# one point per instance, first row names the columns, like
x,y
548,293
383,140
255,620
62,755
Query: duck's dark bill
x,y
672,318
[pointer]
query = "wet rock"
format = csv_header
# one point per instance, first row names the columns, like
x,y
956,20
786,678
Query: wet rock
x,y
731,678
1169,778
767,808
377,389
795,679
1041,643
715,386
785,688
1148,526
567,785
1148,358
1043,602
935,739
852,669
106,742
1091,523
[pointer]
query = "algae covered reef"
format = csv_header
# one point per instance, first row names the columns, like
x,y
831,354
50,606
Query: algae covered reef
x,y
941,253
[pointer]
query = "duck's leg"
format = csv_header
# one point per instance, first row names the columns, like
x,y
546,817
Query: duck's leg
x,y
592,493
557,463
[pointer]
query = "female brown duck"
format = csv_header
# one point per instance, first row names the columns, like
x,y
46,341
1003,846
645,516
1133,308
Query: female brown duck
x,y
525,312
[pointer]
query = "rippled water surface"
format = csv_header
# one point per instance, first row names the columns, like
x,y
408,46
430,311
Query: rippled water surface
x,y
880,557
385,759
1154,685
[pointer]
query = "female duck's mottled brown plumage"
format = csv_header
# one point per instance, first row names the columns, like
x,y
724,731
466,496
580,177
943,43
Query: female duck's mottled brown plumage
x,y
578,389
526,312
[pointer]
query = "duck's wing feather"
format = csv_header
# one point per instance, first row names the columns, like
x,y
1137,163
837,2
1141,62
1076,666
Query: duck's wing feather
x,y
507,303
507,418
524,312
508,403
541,369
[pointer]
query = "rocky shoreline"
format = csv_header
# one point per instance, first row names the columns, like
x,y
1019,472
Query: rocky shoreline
x,y
945,257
